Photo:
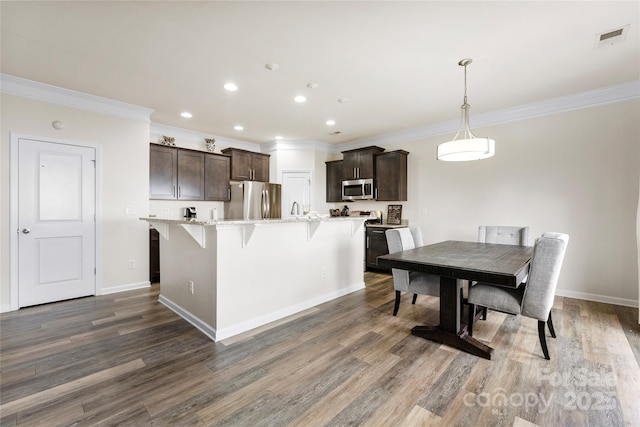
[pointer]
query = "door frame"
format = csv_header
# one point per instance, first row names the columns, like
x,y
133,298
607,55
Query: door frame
x,y
13,229
306,171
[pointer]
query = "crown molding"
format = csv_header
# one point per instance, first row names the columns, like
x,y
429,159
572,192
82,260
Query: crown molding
x,y
17,86
592,98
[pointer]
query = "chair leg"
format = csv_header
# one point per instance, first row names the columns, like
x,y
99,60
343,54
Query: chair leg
x,y
484,313
396,306
543,339
415,297
550,324
472,315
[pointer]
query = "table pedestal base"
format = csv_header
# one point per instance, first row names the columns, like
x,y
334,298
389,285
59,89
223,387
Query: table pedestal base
x,y
460,341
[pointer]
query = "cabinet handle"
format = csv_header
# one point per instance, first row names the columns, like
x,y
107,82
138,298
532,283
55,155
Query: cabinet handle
x,y
377,231
178,191
174,191
367,243
229,193
354,173
376,193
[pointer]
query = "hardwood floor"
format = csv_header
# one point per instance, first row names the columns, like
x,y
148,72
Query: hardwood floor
x,y
124,359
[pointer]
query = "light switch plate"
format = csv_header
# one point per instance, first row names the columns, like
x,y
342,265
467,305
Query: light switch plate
x,y
130,210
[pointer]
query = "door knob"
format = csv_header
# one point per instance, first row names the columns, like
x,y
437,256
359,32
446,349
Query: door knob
x,y
26,231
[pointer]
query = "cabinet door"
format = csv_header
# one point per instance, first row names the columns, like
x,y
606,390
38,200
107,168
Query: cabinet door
x,y
241,166
365,164
350,164
216,177
154,256
376,246
334,181
260,166
163,172
190,175
360,163
391,176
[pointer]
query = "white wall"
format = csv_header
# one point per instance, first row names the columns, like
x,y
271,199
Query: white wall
x,y
575,172
125,172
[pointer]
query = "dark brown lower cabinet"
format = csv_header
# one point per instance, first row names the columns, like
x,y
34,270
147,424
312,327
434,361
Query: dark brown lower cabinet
x,y
375,246
154,256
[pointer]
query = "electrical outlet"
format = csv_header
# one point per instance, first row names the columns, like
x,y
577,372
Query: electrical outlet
x,y
130,210
191,287
424,210
166,212
132,264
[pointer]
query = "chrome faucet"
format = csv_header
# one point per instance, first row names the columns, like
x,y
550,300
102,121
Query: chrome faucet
x,y
296,208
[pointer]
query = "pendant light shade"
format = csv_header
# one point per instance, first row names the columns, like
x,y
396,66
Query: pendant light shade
x,y
465,145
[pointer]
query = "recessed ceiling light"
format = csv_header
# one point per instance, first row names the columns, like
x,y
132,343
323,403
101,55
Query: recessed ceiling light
x,y
272,66
231,87
330,122
343,100
313,85
238,127
278,137
300,99
186,114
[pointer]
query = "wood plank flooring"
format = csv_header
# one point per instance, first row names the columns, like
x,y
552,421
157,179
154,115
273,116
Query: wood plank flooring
x,y
124,359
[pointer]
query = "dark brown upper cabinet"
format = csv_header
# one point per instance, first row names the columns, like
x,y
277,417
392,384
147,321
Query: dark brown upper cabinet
x,y
360,163
190,175
334,180
248,165
216,177
182,174
391,176
163,172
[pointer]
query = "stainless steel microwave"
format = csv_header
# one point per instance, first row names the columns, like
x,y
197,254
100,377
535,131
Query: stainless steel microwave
x,y
357,189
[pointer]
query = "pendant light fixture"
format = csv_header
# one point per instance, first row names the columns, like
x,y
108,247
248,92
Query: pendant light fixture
x,y
468,146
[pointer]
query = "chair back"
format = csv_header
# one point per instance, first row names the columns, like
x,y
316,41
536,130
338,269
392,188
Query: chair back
x,y
403,239
546,262
506,235
398,240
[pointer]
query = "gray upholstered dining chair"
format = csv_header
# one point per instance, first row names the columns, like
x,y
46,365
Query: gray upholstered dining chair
x,y
531,299
402,239
506,235
502,234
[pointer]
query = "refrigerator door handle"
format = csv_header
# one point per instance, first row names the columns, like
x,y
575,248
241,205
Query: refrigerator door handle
x,y
268,204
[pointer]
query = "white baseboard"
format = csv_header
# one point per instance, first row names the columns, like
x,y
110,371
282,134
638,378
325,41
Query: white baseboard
x,y
122,288
597,298
4,308
218,335
186,315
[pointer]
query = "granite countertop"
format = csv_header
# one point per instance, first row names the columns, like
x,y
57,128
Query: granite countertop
x,y
301,218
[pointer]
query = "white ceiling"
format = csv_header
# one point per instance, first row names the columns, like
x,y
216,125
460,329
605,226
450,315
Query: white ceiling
x,y
396,62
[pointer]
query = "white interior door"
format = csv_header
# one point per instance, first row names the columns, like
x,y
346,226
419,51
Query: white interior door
x,y
56,222
296,187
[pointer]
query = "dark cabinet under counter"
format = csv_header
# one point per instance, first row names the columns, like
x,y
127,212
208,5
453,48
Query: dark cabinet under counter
x,y
376,245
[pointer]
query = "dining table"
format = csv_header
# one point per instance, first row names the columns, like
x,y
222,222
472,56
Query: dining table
x,y
452,260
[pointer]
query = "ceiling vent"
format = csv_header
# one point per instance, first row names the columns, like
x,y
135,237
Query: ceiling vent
x,y
612,37
334,133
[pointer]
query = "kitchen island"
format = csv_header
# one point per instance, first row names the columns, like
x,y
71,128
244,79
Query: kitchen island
x,y
229,276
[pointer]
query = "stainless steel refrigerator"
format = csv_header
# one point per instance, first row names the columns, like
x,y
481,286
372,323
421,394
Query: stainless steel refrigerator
x,y
253,200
